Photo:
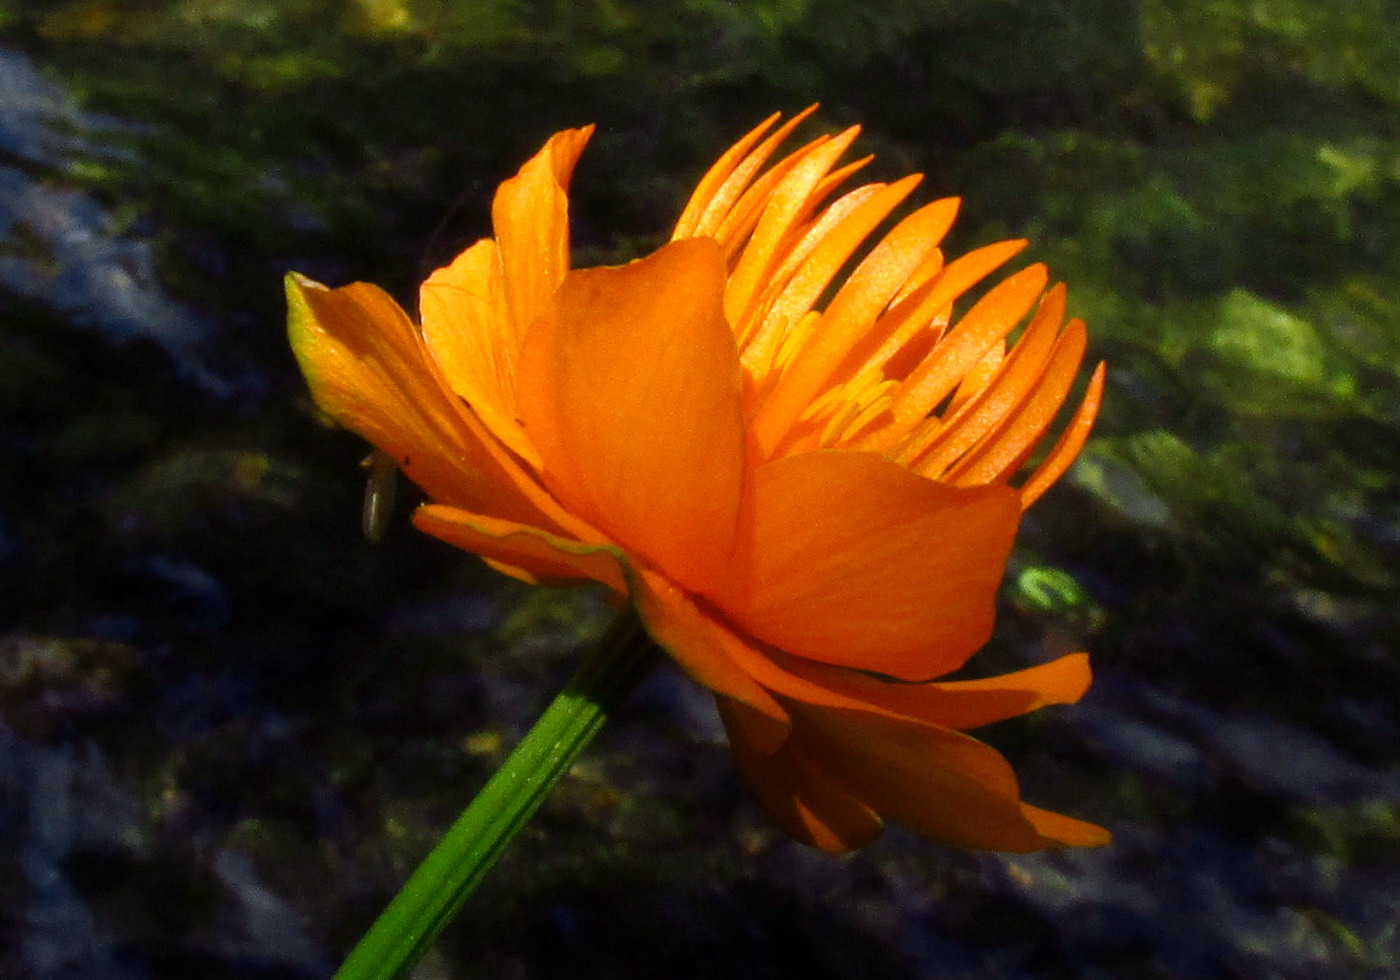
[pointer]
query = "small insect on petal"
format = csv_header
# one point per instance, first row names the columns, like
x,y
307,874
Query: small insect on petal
x,y
380,484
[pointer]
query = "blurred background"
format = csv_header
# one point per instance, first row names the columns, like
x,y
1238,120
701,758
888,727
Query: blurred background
x,y
230,726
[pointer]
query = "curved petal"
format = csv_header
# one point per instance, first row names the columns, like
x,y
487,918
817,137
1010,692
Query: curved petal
x,y
467,330
530,215
991,318
842,769
1000,455
1012,379
852,314
836,246
708,652
948,704
730,176
367,369
531,554
941,783
796,792
855,561
786,206
630,388
1066,448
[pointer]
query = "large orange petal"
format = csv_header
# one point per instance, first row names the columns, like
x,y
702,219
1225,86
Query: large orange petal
x,y
941,783
855,561
530,554
530,215
367,369
796,792
630,388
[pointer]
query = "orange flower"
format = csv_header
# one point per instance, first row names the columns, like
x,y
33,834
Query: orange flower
x,y
810,507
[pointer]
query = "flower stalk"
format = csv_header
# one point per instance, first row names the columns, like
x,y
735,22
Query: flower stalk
x,y
454,868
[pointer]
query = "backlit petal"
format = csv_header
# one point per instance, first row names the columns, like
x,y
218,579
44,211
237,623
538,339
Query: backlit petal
x,y
530,216
630,388
731,175
857,562
1013,381
851,315
997,458
367,369
787,206
991,318
1067,447
468,331
948,704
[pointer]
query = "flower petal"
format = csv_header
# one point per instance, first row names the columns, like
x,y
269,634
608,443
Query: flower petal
x,y
795,791
998,457
708,651
941,783
853,311
367,369
836,246
1014,379
533,555
1061,829
991,318
855,561
948,704
730,176
1067,447
787,206
530,216
467,329
630,388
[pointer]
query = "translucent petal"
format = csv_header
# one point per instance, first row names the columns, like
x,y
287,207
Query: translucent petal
x,y
631,390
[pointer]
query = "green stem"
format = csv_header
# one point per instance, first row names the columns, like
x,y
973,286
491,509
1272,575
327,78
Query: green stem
x,y
403,932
